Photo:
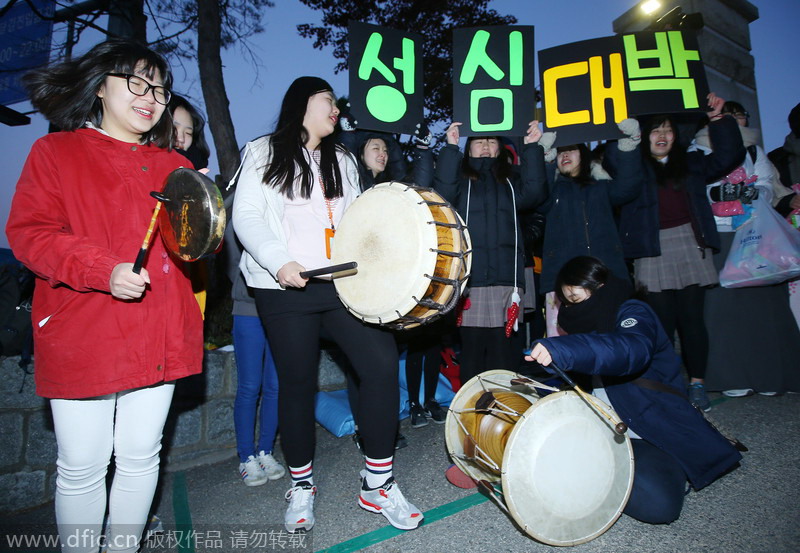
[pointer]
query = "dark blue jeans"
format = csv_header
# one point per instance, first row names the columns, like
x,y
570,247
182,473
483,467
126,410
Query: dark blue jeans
x,y
659,485
256,375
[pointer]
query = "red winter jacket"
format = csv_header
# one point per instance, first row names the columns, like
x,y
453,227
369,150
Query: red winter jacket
x,y
82,206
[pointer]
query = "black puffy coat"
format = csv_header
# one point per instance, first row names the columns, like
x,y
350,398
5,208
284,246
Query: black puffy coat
x,y
490,216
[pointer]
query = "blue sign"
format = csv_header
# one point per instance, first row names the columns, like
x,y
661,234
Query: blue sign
x,y
24,45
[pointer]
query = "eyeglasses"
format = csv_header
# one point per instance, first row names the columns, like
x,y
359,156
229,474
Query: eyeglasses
x,y
741,115
140,87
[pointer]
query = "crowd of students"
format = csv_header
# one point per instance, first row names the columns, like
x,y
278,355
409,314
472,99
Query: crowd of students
x,y
640,216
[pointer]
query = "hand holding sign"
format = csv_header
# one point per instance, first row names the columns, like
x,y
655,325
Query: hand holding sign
x,y
422,136
715,103
633,135
534,133
452,133
546,141
347,122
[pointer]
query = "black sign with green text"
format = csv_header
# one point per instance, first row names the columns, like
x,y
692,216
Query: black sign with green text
x,y
494,90
386,91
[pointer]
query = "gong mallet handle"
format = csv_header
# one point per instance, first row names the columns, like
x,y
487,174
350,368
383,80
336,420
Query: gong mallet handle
x,y
619,428
329,269
137,265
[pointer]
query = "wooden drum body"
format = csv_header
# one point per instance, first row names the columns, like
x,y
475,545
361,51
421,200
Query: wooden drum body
x,y
413,253
565,474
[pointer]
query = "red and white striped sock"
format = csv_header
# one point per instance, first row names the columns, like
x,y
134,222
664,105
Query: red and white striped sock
x,y
302,474
378,471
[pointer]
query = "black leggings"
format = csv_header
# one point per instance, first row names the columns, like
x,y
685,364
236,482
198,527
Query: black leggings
x,y
293,319
683,310
423,356
484,349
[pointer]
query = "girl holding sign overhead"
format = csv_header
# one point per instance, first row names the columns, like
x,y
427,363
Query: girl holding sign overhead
x,y
579,211
669,230
109,343
489,191
293,189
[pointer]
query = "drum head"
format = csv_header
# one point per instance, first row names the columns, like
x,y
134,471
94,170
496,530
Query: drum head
x,y
387,231
566,474
192,219
458,417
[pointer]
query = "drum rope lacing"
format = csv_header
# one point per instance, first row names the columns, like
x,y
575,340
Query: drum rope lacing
x,y
456,283
458,270
481,455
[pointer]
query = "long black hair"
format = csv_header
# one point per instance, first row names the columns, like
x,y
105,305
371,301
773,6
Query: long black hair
x,y
66,93
672,172
288,145
584,175
502,166
199,148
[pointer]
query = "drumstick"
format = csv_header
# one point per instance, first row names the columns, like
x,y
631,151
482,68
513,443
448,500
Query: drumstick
x,y
329,269
137,265
619,428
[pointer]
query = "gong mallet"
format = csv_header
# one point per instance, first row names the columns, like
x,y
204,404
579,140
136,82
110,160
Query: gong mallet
x,y
620,427
329,269
137,265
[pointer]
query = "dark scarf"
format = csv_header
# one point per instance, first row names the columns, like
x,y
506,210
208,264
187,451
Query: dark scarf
x,y
598,313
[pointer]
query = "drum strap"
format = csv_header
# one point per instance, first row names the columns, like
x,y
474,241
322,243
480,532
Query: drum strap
x,y
658,386
235,177
661,387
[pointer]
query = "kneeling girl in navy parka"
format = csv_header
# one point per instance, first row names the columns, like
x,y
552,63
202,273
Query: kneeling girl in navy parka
x,y
621,344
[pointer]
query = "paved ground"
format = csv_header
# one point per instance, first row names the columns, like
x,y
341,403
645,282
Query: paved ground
x,y
756,508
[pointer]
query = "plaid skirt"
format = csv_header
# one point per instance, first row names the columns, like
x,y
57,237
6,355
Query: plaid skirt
x,y
489,305
681,263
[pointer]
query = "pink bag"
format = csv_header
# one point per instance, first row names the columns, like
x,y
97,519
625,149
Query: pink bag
x,y
727,209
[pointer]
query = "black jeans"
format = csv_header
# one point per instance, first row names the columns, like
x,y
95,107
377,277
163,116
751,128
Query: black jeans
x,y
682,310
484,349
293,319
423,356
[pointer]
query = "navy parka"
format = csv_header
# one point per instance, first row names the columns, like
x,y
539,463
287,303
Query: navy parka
x,y
639,347
639,222
579,219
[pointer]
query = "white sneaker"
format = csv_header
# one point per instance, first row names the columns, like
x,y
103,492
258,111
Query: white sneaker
x,y
768,394
271,467
744,392
300,513
251,472
389,501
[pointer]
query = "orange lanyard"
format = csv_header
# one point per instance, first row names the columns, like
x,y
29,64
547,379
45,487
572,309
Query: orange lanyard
x,y
330,205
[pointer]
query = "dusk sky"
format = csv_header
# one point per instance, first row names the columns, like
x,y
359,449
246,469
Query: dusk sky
x,y
285,56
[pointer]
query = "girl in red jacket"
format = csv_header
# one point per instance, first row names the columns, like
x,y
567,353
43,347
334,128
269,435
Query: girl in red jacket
x,y
109,343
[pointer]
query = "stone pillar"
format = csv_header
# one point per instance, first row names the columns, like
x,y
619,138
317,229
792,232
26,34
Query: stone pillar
x,y
724,45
